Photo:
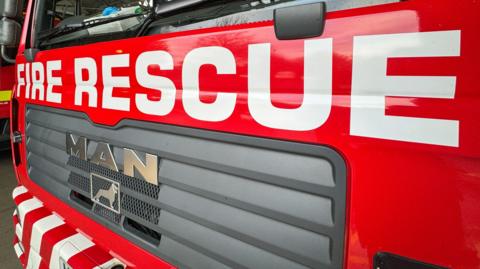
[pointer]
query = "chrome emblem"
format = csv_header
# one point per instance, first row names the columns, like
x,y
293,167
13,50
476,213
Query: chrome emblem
x,y
135,164
105,192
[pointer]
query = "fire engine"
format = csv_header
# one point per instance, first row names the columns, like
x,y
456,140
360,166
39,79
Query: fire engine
x,y
245,134
7,78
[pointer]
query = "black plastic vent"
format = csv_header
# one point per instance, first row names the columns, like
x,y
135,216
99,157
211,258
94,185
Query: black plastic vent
x,y
81,199
142,231
385,260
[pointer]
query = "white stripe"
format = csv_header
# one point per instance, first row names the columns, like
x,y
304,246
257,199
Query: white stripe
x,y
42,226
27,206
67,248
15,213
19,232
19,190
109,264
18,250
34,260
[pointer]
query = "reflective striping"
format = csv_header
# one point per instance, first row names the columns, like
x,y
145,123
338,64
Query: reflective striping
x,y
18,190
27,206
90,258
41,227
34,260
43,266
31,218
18,249
15,240
15,217
51,238
108,264
5,96
67,248
47,239
21,198
18,227
18,231
75,245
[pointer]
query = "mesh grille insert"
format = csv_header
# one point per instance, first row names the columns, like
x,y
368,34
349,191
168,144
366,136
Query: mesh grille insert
x,y
135,184
141,209
107,214
79,182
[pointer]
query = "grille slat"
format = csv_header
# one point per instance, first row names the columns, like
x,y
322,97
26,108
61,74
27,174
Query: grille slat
x,y
213,243
190,256
279,216
223,201
236,190
50,184
238,224
46,151
47,136
51,169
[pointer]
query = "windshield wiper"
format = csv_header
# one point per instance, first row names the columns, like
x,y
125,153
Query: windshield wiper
x,y
172,6
164,8
68,28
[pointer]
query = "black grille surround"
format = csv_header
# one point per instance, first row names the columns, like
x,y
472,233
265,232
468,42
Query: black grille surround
x,y
223,200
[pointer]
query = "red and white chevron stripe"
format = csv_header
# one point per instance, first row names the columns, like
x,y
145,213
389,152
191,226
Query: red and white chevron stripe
x,y
43,239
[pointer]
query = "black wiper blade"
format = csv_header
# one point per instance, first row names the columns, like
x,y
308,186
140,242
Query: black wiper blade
x,y
109,20
54,32
68,28
168,7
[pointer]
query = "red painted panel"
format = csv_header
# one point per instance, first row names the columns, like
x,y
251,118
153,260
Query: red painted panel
x,y
412,199
7,80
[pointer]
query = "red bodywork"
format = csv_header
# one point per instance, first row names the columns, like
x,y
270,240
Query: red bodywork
x,y
416,200
7,80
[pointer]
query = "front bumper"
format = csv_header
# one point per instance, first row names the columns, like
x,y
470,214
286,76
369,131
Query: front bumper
x,y
44,240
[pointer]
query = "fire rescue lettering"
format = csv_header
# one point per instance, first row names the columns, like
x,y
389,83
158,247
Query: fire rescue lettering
x,y
370,85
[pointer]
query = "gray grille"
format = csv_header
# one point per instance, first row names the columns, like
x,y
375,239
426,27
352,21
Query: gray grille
x,y
224,201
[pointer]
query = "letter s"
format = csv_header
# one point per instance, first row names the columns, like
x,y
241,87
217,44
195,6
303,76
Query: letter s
x,y
165,61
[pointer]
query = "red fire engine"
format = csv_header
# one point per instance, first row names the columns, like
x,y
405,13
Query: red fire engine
x,y
7,78
246,134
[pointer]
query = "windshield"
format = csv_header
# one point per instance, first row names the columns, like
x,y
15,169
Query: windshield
x,y
67,11
77,22
215,13
73,19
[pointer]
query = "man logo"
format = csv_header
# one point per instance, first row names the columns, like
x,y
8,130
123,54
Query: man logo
x,y
109,194
135,164
105,192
